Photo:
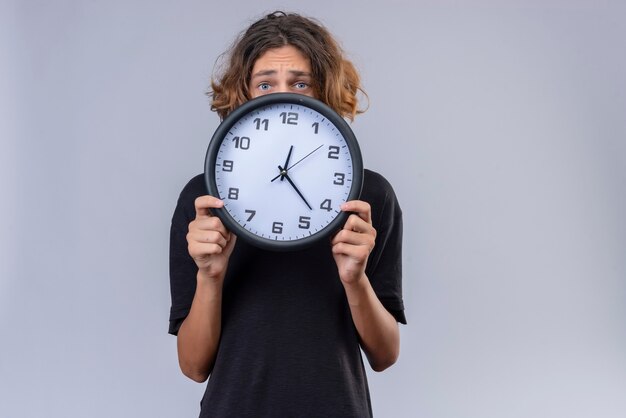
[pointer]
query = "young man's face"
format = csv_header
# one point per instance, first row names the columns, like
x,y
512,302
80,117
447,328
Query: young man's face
x,y
281,70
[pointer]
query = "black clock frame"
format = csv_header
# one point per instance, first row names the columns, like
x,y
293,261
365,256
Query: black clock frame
x,y
269,100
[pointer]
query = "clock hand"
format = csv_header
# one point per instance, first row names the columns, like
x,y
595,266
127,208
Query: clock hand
x,y
298,162
286,176
284,171
287,162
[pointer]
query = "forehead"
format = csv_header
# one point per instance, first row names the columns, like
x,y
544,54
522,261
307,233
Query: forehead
x,y
284,56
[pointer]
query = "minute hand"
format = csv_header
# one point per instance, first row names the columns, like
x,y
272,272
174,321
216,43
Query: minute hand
x,y
286,176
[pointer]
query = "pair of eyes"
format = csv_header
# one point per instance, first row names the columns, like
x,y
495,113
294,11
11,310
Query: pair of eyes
x,y
300,85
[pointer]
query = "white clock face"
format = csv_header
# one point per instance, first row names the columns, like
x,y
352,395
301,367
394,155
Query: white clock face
x,y
283,170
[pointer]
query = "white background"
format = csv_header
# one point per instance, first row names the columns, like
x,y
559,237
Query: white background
x,y
501,126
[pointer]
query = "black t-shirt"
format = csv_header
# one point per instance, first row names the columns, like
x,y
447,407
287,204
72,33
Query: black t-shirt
x,y
288,345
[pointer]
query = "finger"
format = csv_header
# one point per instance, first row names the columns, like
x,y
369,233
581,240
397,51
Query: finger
x,y
199,251
360,208
207,237
354,238
357,224
203,205
356,252
209,223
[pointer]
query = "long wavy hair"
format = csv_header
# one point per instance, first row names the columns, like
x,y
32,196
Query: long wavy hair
x,y
336,81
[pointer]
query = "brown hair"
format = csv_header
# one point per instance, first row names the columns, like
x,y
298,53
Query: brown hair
x,y
336,81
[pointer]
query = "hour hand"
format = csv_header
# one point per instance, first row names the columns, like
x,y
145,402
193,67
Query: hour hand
x,y
284,175
283,171
286,163
287,167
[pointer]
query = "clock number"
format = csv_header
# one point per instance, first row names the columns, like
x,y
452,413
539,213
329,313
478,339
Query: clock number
x,y
333,152
251,213
227,165
242,142
339,179
305,222
290,118
316,127
233,193
259,122
277,227
326,204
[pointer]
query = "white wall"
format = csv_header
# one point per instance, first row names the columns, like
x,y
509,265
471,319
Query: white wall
x,y
501,126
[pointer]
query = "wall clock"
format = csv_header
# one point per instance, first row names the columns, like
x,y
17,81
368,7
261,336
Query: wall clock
x,y
283,163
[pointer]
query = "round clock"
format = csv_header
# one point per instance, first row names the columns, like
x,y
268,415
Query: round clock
x,y
283,163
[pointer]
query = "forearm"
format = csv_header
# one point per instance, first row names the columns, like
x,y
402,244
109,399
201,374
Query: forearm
x,y
199,334
377,328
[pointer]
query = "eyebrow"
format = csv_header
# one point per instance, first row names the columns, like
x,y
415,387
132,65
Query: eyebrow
x,y
296,73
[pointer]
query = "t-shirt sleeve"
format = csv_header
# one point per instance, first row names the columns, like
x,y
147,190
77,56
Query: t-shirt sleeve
x,y
183,269
384,267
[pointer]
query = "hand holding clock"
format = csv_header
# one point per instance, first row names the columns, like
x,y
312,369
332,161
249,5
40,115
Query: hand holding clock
x,y
352,245
209,242
378,331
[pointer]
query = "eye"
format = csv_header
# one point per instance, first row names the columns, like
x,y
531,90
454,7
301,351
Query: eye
x,y
301,85
264,86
